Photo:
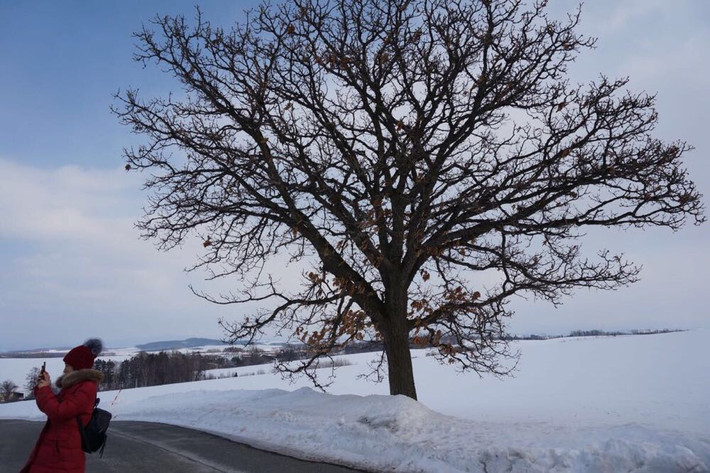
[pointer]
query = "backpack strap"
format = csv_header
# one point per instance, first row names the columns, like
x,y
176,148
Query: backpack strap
x,y
81,426
101,452
81,432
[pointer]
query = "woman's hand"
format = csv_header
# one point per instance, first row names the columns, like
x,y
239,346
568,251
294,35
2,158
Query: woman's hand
x,y
44,380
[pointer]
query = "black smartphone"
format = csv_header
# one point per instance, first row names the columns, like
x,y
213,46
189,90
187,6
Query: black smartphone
x,y
44,368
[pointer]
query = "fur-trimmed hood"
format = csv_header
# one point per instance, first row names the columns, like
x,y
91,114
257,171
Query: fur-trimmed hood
x,y
76,377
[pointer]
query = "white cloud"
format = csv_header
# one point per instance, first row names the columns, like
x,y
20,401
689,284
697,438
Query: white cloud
x,y
65,203
71,256
625,12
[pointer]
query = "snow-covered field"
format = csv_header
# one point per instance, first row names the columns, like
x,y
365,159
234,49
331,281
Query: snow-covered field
x,y
631,403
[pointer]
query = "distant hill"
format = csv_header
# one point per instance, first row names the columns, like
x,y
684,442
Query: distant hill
x,y
178,344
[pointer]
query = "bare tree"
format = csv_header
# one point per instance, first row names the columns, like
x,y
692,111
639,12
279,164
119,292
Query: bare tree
x,y
429,157
7,387
31,381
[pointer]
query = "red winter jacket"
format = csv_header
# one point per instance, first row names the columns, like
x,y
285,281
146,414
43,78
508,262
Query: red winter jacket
x,y
58,449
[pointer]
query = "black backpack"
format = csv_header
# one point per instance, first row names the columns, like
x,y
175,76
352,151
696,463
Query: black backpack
x,y
93,436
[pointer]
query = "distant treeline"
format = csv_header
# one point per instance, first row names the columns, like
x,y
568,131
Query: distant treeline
x,y
154,369
591,333
150,369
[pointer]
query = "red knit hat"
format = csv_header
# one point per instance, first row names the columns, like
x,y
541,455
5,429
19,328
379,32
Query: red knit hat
x,y
83,356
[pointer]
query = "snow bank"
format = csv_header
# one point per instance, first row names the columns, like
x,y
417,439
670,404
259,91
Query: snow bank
x,y
636,404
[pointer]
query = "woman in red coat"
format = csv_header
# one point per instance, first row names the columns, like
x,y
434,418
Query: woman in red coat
x,y
58,449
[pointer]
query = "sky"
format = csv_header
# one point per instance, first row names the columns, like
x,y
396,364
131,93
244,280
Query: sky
x,y
73,266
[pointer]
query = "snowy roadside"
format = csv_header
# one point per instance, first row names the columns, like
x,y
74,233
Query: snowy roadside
x,y
666,430
385,433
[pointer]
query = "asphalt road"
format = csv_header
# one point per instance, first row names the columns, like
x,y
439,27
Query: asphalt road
x,y
138,447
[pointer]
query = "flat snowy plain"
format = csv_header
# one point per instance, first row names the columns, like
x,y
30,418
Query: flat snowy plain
x,y
608,404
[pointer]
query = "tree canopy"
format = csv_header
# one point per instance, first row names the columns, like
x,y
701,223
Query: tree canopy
x,y
429,158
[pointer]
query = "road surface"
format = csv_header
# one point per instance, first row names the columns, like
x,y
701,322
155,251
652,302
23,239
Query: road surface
x,y
139,447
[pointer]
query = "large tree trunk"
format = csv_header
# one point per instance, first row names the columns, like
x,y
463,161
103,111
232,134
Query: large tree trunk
x,y
399,358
